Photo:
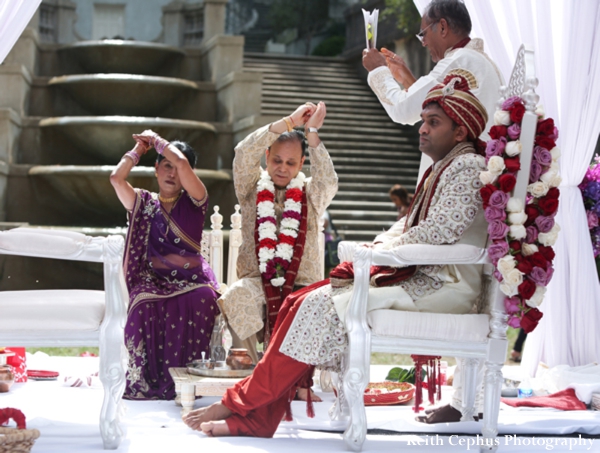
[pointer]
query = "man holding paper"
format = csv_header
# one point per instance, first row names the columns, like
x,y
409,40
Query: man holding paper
x,y
445,29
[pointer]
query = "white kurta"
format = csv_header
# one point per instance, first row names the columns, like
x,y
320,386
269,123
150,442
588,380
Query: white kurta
x,y
317,335
404,106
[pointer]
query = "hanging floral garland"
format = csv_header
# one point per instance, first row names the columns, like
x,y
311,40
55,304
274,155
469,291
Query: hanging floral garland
x,y
275,253
522,235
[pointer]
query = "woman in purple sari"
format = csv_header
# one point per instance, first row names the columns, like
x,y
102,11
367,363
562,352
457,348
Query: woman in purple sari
x,y
172,290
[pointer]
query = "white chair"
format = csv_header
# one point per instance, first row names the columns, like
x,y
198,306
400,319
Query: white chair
x,y
471,338
83,317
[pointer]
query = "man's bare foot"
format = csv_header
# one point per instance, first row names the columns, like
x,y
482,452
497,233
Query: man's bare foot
x,y
216,411
302,395
216,428
444,414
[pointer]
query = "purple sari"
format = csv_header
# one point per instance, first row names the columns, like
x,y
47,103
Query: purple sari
x,y
172,293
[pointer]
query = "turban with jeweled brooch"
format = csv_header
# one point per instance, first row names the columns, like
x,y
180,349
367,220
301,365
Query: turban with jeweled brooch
x,y
454,96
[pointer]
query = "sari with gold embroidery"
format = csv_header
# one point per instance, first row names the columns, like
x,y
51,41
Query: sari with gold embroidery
x,y
172,293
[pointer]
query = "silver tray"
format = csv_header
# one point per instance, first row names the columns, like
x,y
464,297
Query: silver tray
x,y
219,372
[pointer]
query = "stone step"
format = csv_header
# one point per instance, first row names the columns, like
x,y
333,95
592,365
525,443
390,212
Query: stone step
x,y
305,85
299,64
341,114
363,143
356,214
334,129
370,162
371,187
387,180
362,204
307,74
385,172
293,100
392,154
359,235
362,195
340,137
347,224
325,95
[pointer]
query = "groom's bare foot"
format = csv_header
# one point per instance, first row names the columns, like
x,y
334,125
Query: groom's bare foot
x,y
302,395
216,428
216,411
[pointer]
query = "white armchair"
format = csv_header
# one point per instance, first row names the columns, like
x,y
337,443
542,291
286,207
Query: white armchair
x,y
471,338
83,317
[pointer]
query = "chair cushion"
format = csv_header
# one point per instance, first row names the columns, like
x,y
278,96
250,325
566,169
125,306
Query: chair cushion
x,y
81,310
431,326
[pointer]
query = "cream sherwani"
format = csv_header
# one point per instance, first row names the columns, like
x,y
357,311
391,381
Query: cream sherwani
x,y
244,301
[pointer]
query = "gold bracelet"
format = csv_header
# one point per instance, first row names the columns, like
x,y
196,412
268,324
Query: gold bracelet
x,y
288,124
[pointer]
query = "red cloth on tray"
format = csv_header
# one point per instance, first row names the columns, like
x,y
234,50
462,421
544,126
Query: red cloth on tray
x,y
564,400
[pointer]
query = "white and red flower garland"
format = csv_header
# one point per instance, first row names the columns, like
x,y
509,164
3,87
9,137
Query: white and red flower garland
x,y
275,253
522,234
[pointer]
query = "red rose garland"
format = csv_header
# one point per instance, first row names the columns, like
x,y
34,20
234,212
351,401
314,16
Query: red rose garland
x,y
522,236
275,253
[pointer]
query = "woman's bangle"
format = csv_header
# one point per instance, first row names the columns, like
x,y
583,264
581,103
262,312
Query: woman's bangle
x,y
135,157
159,143
289,124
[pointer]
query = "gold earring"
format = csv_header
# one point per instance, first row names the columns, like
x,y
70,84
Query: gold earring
x,y
156,174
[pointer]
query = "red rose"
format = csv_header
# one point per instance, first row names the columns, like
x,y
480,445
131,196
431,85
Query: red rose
x,y
268,243
264,195
497,132
547,252
548,205
537,259
545,127
294,194
516,112
507,182
532,213
526,289
525,267
486,192
285,239
530,320
544,142
515,245
513,164
553,193
519,258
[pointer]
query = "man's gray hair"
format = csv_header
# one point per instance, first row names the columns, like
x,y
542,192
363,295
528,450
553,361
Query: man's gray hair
x,y
454,11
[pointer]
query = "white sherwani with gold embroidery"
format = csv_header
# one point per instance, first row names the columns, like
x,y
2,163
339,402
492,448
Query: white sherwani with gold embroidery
x,y
317,335
244,301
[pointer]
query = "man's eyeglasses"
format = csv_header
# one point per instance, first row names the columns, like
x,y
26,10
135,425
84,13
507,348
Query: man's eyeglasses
x,y
421,35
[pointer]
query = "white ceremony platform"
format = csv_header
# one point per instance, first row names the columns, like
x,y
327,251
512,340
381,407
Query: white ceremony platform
x,y
67,418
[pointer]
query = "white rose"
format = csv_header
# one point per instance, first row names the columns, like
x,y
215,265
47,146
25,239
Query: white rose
x,y
265,208
555,153
291,205
496,165
514,278
517,218
265,254
548,177
554,166
549,238
528,249
487,177
285,251
279,281
513,148
538,189
502,117
537,298
508,289
514,204
506,264
290,223
556,181
539,111
517,231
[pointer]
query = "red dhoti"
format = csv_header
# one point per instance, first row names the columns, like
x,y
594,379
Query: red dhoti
x,y
260,401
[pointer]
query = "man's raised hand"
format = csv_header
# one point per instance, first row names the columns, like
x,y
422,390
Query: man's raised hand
x,y
398,68
317,118
372,59
302,114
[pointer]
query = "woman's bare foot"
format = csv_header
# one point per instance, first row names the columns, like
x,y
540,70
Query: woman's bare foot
x,y
216,411
216,428
302,395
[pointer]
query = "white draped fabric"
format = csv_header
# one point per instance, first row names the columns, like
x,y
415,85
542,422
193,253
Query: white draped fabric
x,y
566,41
14,17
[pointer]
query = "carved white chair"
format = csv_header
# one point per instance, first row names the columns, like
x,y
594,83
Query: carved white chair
x,y
83,317
472,338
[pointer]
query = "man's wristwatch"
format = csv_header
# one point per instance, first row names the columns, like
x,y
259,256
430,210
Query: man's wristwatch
x,y
312,129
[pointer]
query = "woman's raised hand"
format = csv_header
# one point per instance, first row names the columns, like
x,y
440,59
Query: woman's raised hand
x,y
302,114
318,116
146,138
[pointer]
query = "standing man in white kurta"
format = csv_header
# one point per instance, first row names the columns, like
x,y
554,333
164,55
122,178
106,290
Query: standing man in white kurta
x,y
445,29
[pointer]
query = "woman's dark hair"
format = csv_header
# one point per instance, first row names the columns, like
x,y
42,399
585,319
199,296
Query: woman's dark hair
x,y
454,11
187,151
293,136
400,192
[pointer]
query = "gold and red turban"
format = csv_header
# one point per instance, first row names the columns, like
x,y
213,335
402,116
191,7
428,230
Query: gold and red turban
x,y
455,98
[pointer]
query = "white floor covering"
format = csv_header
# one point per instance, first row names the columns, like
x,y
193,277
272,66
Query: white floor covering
x,y
68,421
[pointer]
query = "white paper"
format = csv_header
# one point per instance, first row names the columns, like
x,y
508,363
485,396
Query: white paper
x,y
371,27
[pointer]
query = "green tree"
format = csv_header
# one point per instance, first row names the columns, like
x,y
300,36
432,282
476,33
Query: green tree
x,y
406,13
308,16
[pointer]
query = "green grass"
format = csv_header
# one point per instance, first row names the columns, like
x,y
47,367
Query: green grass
x,y
64,352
